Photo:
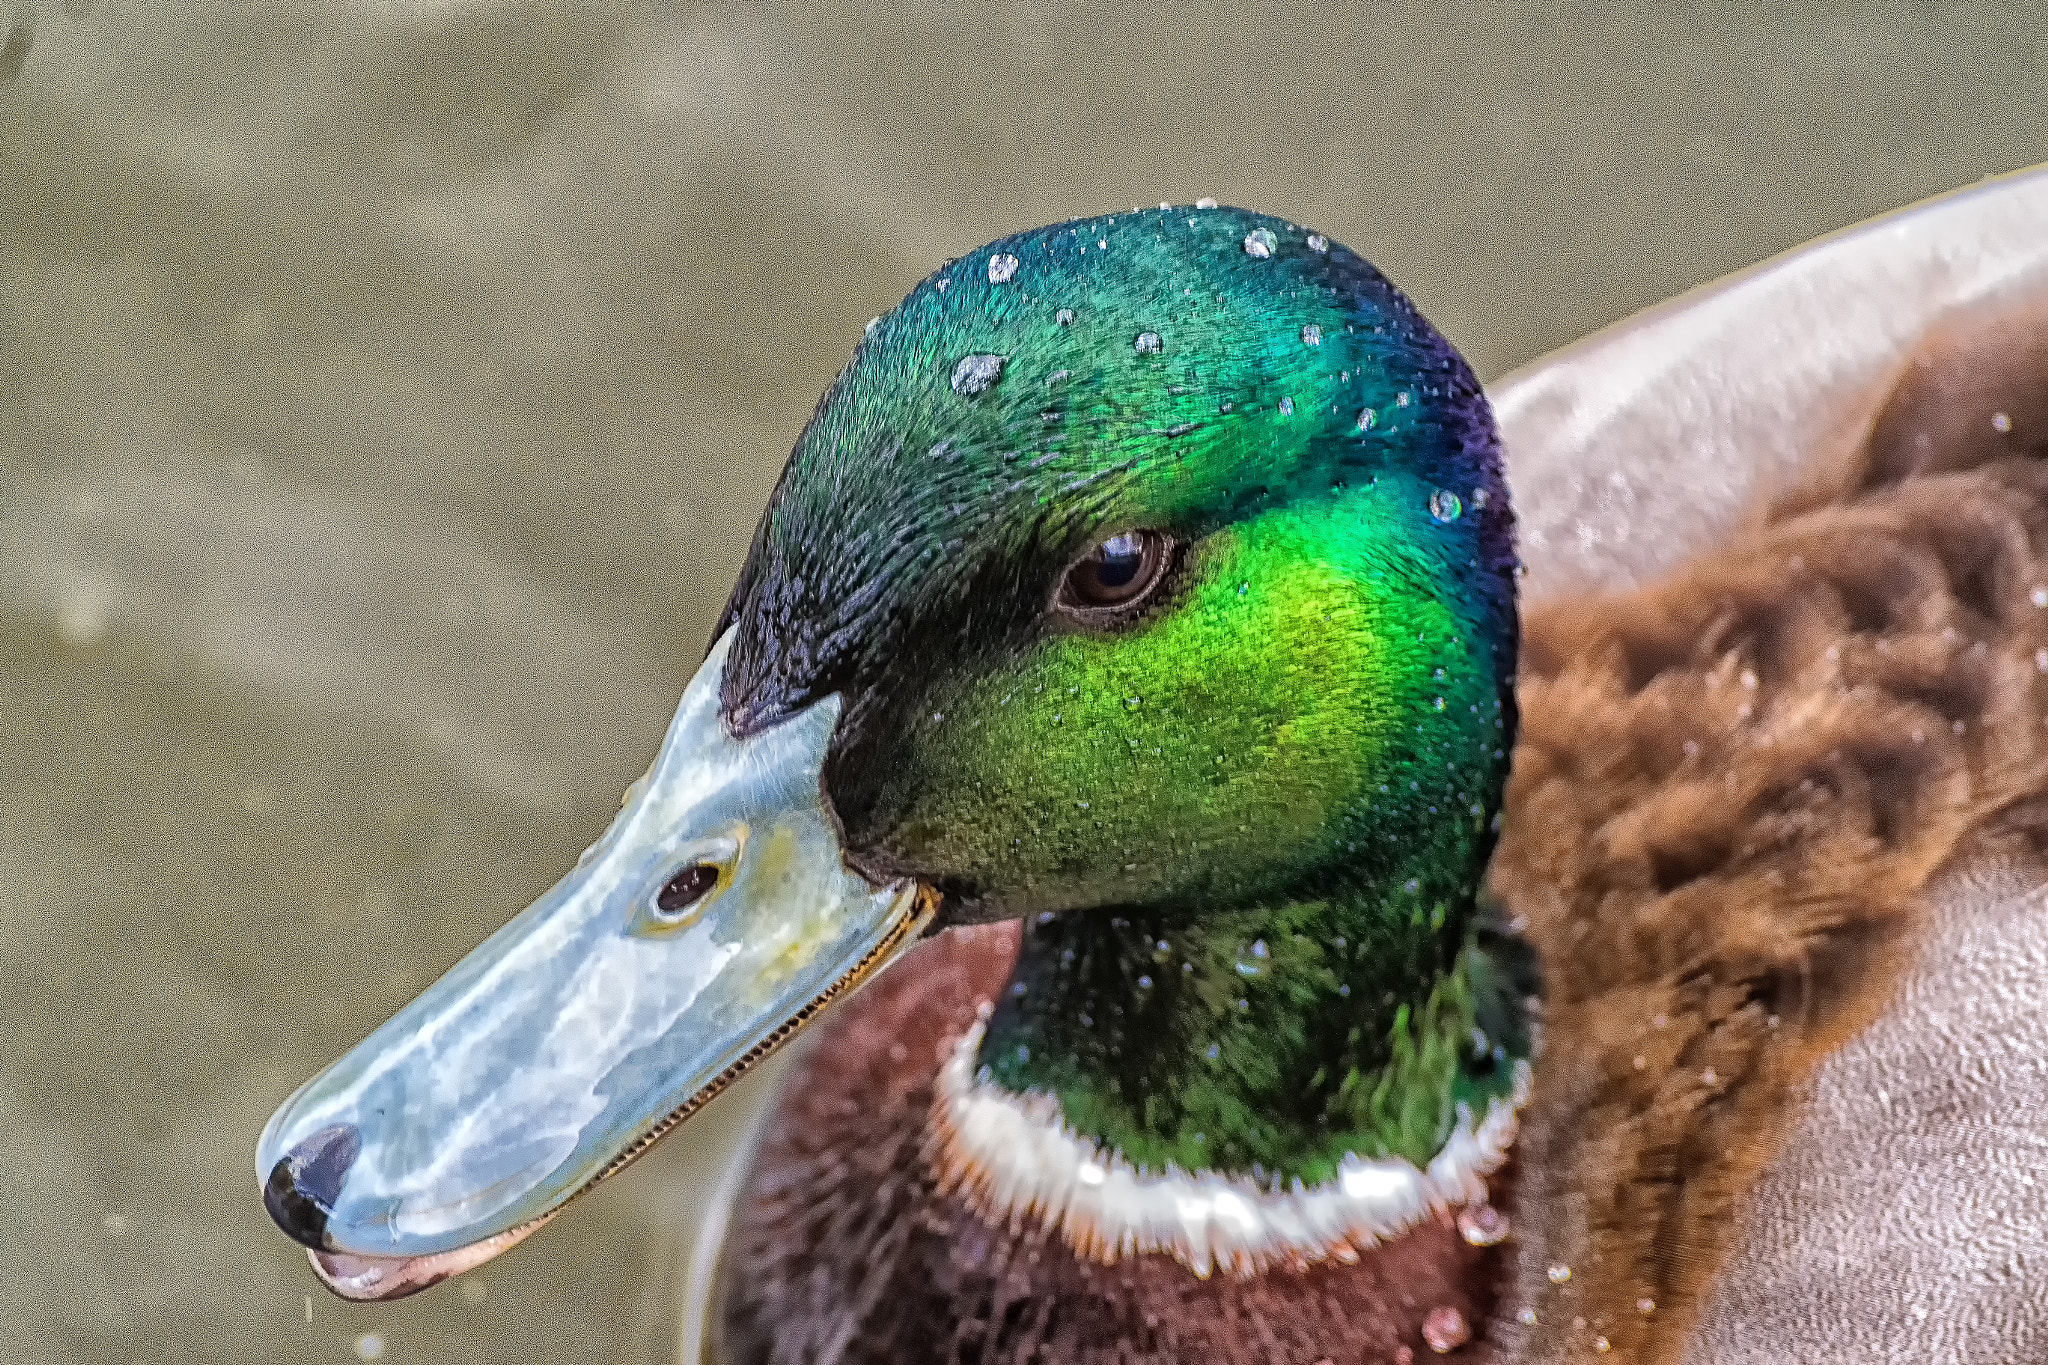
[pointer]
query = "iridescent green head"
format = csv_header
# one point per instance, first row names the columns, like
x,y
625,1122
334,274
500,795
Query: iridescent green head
x,y
1304,664
1150,576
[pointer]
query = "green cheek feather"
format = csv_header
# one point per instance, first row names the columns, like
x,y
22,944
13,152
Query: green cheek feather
x,y
1263,810
1230,743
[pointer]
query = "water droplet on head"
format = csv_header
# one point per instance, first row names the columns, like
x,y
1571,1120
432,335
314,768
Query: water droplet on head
x,y
869,330
1444,505
1367,419
1205,202
1445,1329
1065,317
1312,335
1259,243
1318,243
977,373
1287,407
1214,1052
1148,343
1001,267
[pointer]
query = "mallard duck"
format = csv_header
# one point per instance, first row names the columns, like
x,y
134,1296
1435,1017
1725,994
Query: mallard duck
x,y
1270,943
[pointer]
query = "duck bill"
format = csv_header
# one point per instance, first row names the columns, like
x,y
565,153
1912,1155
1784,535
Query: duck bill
x,y
713,920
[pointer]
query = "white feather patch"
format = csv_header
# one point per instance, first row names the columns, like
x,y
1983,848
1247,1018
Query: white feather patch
x,y
1013,1157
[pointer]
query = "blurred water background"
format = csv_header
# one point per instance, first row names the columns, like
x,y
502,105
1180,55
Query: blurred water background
x,y
388,390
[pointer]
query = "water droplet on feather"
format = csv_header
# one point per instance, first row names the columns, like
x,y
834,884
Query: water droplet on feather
x,y
1445,1329
1482,1225
977,373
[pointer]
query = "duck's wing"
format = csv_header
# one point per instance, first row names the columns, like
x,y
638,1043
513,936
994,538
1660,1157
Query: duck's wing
x,y
1774,818
1656,438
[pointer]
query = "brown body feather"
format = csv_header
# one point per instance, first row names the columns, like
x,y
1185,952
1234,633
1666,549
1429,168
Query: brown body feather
x,y
1729,791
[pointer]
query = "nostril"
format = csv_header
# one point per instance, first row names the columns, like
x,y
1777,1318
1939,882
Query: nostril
x,y
306,1181
685,889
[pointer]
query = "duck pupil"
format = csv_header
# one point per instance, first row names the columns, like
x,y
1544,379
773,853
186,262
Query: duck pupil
x,y
685,889
1118,561
1119,572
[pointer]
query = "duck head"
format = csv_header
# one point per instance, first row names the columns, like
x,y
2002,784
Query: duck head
x,y
1149,578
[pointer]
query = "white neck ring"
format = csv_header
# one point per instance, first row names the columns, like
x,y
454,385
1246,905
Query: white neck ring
x,y
1013,1157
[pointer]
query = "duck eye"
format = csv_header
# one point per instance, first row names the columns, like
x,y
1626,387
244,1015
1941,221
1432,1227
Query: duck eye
x,y
1115,577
